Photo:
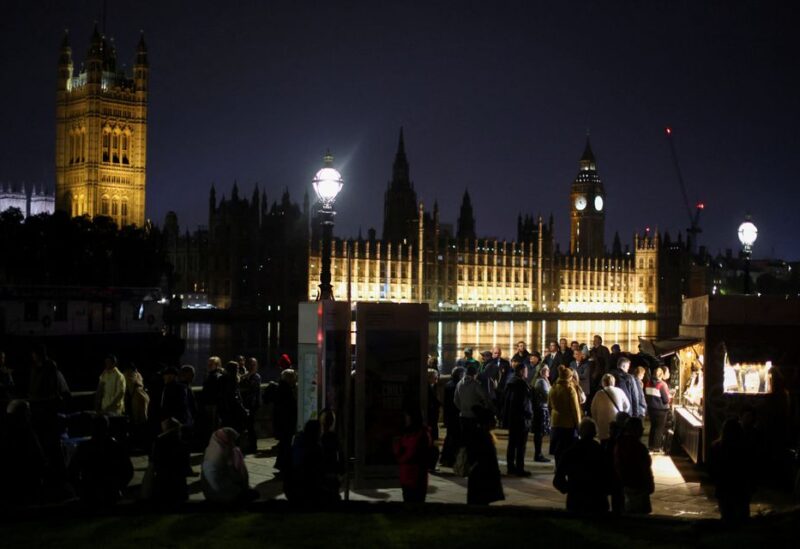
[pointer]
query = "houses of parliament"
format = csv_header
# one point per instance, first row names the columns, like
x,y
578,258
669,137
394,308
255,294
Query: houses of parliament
x,y
101,133
252,254
422,259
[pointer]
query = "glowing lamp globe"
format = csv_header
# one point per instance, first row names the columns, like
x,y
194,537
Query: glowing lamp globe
x,y
327,184
747,233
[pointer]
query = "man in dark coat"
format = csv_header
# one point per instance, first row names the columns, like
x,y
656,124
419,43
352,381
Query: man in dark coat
x,y
582,473
493,374
522,355
553,358
517,412
174,398
232,411
210,395
599,356
452,440
624,381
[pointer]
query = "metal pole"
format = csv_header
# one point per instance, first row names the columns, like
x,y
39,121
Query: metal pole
x,y
325,288
746,272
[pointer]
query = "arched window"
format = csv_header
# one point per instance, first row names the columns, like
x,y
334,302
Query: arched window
x,y
123,212
71,147
115,147
115,207
125,139
104,205
84,143
106,145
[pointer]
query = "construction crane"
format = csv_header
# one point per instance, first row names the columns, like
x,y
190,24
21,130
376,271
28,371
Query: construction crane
x,y
694,218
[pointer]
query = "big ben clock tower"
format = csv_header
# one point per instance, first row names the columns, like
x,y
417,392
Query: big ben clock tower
x,y
587,209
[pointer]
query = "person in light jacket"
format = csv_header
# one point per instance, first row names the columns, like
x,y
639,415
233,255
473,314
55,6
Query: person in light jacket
x,y
110,395
606,404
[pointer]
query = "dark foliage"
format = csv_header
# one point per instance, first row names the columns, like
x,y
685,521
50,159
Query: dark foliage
x,y
59,250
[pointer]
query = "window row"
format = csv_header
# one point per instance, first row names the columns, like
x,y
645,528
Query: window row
x,y
117,145
76,146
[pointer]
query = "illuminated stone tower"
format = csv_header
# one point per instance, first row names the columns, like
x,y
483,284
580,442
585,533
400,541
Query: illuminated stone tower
x,y
587,209
101,134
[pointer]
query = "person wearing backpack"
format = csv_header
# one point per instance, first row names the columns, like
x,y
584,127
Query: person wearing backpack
x,y
607,403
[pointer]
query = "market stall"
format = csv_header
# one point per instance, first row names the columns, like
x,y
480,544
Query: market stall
x,y
733,359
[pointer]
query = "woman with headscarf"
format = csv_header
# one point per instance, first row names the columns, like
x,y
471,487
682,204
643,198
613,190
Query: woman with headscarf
x,y
223,475
565,412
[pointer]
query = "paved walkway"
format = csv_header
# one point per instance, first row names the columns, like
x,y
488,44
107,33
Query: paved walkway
x,y
682,489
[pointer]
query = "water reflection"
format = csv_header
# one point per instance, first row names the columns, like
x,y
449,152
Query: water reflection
x,y
446,339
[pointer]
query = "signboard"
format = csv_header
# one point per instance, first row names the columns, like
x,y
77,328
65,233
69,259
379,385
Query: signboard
x,y
391,367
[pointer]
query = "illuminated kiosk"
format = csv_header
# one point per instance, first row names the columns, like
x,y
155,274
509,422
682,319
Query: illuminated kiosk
x,y
734,357
391,367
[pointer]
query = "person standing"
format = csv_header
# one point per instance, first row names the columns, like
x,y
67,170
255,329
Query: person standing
x,y
211,394
625,382
565,413
634,468
728,458
541,413
467,359
658,400
582,367
553,359
518,413
452,440
522,355
484,485
607,403
581,473
601,356
174,399
641,402
434,404
110,394
232,412
566,352
412,450
470,394
492,373
251,395
284,418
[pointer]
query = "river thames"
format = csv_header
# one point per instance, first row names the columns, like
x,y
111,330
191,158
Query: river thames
x,y
446,339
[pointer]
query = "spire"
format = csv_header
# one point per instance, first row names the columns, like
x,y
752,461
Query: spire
x,y
235,191
400,168
587,161
65,42
328,159
141,51
466,219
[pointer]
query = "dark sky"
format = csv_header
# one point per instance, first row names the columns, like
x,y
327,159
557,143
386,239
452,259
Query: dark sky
x,y
494,96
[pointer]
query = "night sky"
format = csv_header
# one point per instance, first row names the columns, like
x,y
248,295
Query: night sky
x,y
495,97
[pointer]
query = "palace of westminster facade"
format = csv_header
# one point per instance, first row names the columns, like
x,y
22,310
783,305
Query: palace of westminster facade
x,y
252,254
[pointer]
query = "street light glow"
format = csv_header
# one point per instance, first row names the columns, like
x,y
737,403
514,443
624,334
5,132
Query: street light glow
x,y
327,184
747,233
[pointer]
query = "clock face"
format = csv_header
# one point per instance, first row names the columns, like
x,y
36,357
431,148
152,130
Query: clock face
x,y
580,203
598,203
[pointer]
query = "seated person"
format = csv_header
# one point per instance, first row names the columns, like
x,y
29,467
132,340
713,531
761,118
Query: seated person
x,y
100,468
170,464
224,475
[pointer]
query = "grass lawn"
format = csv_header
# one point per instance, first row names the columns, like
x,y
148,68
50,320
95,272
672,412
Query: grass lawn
x,y
384,526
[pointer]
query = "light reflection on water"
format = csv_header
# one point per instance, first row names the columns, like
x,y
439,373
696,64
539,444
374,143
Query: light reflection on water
x,y
446,339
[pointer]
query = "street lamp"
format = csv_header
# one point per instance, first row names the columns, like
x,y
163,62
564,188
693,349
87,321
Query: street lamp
x,y
327,184
748,233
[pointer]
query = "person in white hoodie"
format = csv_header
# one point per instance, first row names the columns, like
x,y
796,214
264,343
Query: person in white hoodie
x,y
607,403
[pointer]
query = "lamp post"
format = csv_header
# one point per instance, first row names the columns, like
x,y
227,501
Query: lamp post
x,y
748,233
327,184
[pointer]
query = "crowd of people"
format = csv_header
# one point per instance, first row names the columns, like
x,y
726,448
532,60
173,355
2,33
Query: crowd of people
x,y
53,454
589,401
